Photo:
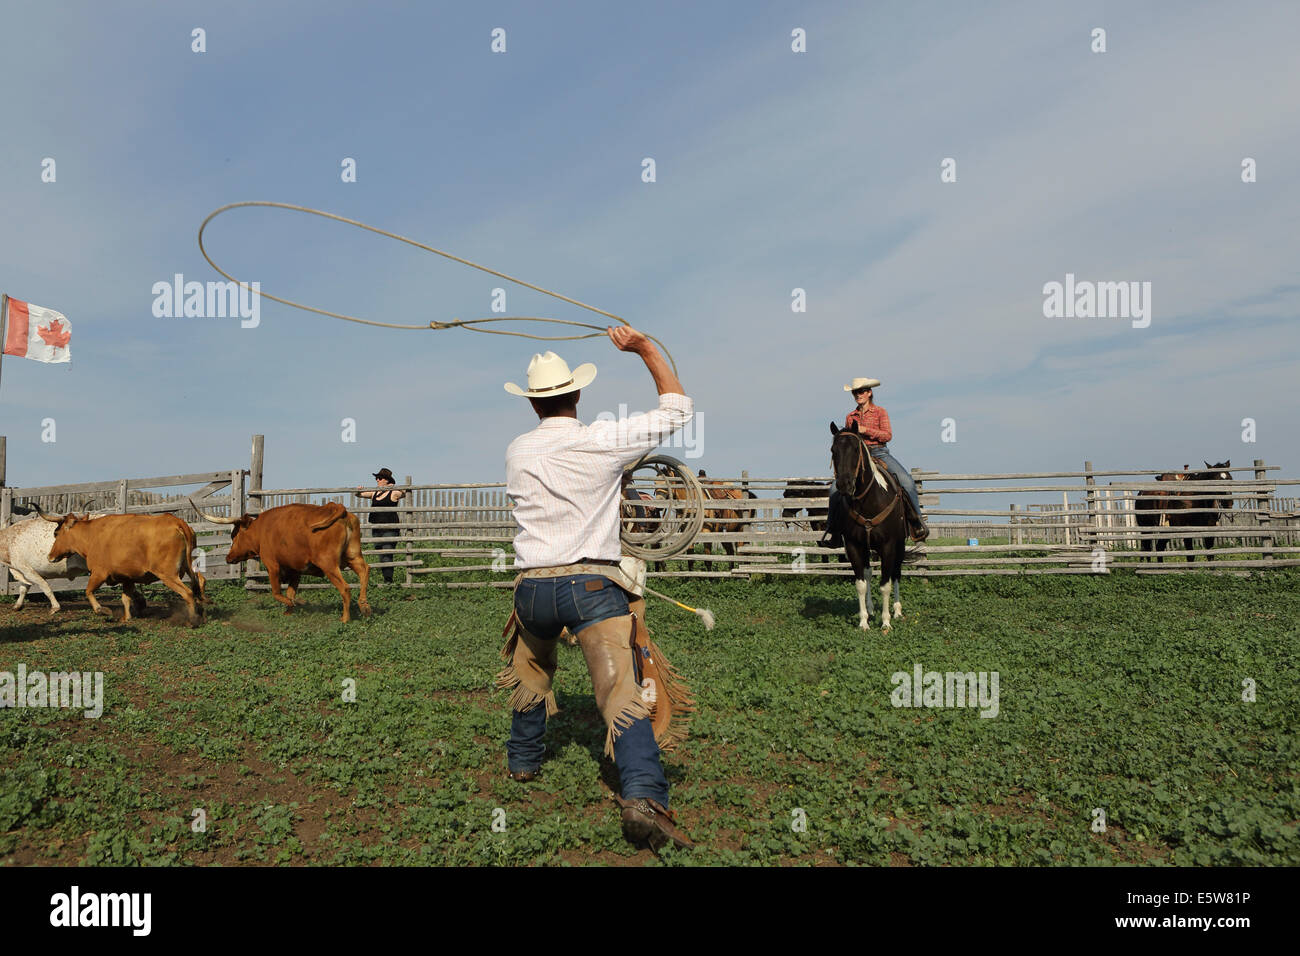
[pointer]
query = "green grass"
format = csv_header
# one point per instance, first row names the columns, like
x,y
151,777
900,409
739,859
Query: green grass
x,y
1120,693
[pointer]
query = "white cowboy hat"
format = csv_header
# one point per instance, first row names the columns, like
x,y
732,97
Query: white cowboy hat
x,y
548,375
862,383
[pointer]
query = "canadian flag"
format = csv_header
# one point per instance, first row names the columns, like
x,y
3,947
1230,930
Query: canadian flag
x,y
37,333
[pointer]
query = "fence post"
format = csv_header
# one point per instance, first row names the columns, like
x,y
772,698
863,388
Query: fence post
x,y
6,511
237,507
254,503
255,473
1013,533
2,461
121,496
1130,521
1263,512
1090,491
408,498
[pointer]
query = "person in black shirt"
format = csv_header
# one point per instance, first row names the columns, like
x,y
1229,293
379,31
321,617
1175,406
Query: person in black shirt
x,y
382,521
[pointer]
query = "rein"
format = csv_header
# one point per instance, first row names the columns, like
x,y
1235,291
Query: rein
x,y
866,490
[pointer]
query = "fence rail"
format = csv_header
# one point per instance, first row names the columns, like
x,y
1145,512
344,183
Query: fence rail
x,y
464,531
460,534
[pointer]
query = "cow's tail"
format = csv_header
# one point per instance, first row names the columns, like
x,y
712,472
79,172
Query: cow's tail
x,y
183,559
185,566
337,512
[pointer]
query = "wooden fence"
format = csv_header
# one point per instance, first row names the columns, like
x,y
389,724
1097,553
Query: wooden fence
x,y
138,496
460,534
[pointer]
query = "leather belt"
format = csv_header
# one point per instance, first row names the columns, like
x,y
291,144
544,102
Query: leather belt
x,y
606,569
565,570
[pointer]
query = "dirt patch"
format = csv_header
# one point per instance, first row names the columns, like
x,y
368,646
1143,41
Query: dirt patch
x,y
247,625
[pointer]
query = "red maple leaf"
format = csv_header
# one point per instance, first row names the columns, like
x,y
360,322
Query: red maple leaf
x,y
55,334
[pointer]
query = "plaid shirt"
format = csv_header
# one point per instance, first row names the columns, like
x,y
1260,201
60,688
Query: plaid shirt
x,y
872,421
565,477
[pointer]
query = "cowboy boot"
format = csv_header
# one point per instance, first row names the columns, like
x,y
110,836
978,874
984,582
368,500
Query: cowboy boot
x,y
645,820
831,535
918,531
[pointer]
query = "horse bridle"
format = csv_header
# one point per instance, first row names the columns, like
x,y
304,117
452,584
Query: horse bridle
x,y
866,489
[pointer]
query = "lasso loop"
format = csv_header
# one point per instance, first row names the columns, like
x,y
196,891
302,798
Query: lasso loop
x,y
665,527
470,324
666,524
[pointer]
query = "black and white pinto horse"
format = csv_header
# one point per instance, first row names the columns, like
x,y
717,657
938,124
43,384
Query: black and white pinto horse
x,y
867,514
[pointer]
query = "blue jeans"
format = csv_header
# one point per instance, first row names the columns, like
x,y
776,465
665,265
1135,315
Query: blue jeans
x,y
545,607
882,455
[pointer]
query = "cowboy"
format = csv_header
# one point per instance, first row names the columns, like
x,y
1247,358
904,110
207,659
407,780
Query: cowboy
x,y
565,480
872,423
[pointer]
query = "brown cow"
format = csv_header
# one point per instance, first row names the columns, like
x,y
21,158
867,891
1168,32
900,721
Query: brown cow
x,y
128,550
295,539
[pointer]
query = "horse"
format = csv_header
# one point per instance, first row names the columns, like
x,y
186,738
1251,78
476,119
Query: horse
x,y
638,517
807,489
816,520
1182,509
719,520
868,514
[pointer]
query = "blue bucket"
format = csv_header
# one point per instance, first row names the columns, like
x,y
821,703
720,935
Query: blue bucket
x,y
972,542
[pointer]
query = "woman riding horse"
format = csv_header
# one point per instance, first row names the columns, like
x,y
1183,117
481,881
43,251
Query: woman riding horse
x,y
872,422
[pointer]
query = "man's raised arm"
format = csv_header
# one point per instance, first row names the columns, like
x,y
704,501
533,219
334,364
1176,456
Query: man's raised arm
x,y
629,339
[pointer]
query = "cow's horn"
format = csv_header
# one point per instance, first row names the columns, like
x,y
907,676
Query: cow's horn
x,y
44,515
215,519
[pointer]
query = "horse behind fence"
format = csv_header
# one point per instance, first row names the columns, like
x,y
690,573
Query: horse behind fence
x,y
1197,510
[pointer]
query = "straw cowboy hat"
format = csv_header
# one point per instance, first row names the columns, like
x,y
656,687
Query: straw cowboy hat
x,y
548,375
862,383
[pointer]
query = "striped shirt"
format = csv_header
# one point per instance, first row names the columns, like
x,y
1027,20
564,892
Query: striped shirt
x,y
873,421
565,479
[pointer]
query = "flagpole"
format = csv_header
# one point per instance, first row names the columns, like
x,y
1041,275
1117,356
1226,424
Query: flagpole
x,y
4,315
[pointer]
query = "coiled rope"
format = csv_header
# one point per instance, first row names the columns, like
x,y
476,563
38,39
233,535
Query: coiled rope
x,y
470,324
667,524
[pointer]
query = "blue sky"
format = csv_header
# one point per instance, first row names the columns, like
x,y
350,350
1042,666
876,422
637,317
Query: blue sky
x,y
775,170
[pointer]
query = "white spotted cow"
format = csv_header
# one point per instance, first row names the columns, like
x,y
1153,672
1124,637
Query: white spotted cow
x,y
25,550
